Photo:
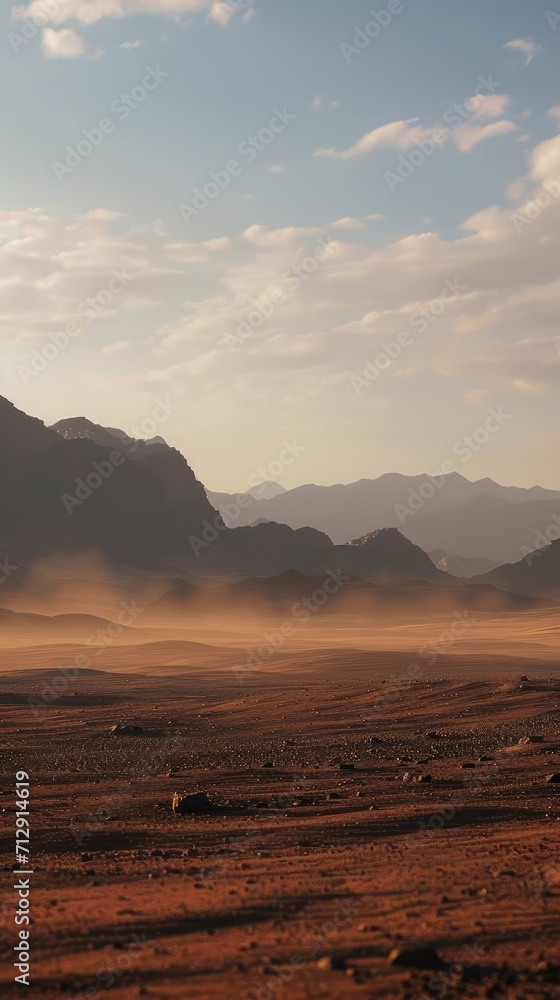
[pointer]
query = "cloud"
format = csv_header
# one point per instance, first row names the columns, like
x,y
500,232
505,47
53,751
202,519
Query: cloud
x,y
88,12
554,112
64,44
529,48
131,45
467,137
401,134
404,134
322,101
50,265
117,348
276,169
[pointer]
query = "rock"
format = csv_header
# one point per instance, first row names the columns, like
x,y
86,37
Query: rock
x,y
530,739
121,730
416,957
424,777
524,678
331,963
432,735
267,763
468,767
334,795
347,767
553,778
195,802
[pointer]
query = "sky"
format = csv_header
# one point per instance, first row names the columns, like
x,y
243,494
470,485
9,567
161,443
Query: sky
x,y
307,240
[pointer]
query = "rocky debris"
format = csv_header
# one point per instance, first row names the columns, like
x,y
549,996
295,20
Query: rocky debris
x,y
432,735
553,778
128,730
523,678
416,957
195,802
530,739
410,777
331,963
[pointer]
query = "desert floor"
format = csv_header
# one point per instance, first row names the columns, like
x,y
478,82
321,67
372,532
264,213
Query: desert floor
x,y
299,861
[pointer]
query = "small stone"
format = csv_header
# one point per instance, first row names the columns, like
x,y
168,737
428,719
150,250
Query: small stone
x,y
419,957
196,802
530,739
331,963
553,778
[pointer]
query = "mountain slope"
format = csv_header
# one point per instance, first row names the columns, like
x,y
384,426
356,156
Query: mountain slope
x,y
537,573
471,520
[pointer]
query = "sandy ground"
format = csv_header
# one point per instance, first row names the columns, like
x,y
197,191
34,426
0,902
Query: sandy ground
x,y
300,861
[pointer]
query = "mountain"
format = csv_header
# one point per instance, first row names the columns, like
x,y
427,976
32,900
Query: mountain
x,y
481,520
266,490
461,567
79,486
537,573
66,493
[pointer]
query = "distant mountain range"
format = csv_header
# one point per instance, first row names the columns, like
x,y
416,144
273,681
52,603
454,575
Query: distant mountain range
x,y
79,487
461,519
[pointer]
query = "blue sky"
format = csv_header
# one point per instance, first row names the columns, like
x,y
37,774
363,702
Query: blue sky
x,y
313,368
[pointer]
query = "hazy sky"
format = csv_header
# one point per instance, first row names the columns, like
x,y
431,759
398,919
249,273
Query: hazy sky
x,y
371,270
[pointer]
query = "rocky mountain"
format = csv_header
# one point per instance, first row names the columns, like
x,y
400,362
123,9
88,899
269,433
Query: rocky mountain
x,y
480,520
80,486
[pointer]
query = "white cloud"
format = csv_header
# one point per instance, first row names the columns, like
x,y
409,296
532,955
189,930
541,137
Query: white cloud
x,y
64,44
276,169
91,11
116,348
469,136
131,45
401,134
529,48
322,101
554,111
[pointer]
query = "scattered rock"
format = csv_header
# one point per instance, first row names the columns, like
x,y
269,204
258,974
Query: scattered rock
x,y
122,730
195,802
331,963
419,957
432,735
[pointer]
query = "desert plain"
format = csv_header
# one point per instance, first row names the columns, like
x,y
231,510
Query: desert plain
x,y
376,819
